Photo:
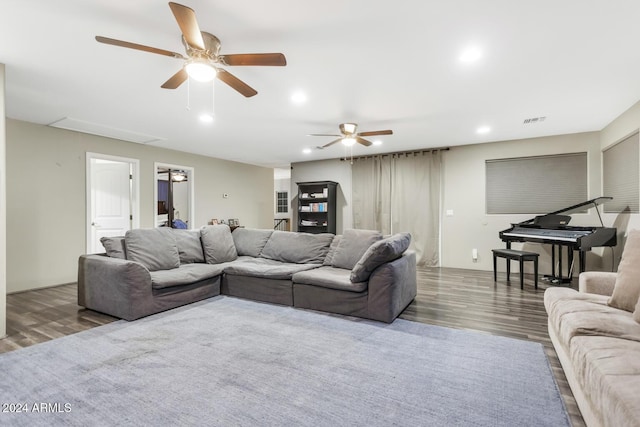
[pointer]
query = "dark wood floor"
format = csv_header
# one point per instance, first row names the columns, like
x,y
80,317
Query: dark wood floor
x,y
463,299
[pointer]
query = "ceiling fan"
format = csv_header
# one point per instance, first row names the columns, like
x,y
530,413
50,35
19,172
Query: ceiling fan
x,y
350,136
203,59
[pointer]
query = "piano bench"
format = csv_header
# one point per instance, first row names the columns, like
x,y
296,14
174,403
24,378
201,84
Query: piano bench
x,y
521,257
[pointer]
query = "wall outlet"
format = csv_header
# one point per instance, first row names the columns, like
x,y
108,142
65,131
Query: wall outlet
x,y
474,254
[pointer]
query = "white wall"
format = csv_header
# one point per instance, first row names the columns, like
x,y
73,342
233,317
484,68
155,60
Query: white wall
x,y
325,170
46,197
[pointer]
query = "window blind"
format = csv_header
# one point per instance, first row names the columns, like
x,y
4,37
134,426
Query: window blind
x,y
621,175
535,185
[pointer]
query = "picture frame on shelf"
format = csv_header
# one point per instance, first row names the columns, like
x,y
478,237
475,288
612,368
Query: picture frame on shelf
x,y
232,222
236,222
214,222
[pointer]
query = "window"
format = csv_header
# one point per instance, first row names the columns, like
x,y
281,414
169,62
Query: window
x,y
535,185
282,202
621,177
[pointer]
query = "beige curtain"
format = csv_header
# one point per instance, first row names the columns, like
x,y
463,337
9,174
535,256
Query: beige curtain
x,y
400,192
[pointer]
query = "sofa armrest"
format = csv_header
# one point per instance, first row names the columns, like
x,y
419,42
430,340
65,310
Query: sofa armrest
x,y
597,282
114,286
392,287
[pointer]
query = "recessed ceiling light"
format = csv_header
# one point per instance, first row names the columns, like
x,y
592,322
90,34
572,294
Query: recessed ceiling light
x,y
206,117
483,129
377,142
470,54
299,97
307,151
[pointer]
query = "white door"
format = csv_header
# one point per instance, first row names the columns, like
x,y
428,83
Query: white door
x,y
110,205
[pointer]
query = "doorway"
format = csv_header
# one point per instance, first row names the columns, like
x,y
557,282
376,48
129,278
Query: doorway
x,y
113,204
174,196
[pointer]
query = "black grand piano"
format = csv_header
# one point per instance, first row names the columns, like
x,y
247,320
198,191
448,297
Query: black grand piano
x,y
553,229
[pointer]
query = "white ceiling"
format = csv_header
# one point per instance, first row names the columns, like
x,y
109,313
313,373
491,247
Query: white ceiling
x,y
381,64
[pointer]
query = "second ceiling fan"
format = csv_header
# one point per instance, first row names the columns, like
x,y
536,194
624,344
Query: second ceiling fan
x,y
203,54
350,136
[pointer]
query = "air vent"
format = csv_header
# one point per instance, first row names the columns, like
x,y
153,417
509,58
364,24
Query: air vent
x,y
533,120
103,130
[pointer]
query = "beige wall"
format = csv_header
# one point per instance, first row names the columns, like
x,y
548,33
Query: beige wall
x,y
463,192
46,200
3,210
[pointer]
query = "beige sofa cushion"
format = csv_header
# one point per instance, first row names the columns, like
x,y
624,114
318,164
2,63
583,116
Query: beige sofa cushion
x,y
627,289
609,369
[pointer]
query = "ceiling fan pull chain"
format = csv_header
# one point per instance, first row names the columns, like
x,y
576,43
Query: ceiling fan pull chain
x,y
213,98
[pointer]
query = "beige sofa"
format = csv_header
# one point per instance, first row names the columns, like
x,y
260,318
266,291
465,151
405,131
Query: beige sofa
x,y
596,334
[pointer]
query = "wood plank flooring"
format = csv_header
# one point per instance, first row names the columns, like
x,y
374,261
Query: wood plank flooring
x,y
456,298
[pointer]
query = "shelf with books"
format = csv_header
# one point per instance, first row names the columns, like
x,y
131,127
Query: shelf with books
x,y
317,206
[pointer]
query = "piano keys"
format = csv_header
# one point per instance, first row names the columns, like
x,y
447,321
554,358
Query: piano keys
x,y
553,229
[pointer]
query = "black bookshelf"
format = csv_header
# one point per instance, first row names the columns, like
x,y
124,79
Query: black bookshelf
x,y
317,206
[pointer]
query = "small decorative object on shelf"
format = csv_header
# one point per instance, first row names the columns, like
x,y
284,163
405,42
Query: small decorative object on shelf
x,y
232,222
317,206
214,222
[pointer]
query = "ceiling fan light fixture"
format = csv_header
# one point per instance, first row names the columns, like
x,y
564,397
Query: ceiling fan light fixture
x,y
200,70
350,128
348,141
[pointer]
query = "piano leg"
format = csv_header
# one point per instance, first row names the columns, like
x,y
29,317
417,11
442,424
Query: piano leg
x,y
583,256
559,277
553,260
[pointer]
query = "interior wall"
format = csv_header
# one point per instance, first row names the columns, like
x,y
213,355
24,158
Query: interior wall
x,y
325,170
3,208
624,125
469,227
464,193
46,200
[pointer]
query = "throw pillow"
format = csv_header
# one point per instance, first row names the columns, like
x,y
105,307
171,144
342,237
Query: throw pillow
x,y
155,248
217,244
114,246
627,288
382,251
353,244
189,246
250,241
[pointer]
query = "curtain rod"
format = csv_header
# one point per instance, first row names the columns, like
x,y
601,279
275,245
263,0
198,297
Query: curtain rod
x,y
424,150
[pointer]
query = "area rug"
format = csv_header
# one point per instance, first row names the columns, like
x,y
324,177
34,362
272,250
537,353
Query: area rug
x,y
232,362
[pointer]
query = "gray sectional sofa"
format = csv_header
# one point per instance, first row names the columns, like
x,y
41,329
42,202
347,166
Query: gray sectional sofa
x,y
358,273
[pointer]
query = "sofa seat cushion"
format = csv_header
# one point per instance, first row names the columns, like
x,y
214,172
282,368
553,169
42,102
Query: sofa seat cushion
x,y
330,277
299,248
609,370
580,314
186,274
266,268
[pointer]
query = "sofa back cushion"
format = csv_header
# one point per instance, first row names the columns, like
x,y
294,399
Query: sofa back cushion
x,y
353,244
189,246
382,251
328,260
155,248
217,244
250,241
114,246
299,248
627,288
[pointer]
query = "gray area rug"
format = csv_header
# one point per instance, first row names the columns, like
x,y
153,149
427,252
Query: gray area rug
x,y
231,362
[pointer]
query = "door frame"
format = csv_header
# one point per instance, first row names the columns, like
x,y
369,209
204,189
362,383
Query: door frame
x,y
135,191
191,190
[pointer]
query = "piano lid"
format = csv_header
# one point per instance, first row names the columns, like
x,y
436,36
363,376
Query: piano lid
x,y
575,208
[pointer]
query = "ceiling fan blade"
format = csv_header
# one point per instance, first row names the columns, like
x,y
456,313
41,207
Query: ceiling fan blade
x,y
273,59
188,24
121,43
376,132
331,143
323,134
236,83
363,141
176,80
